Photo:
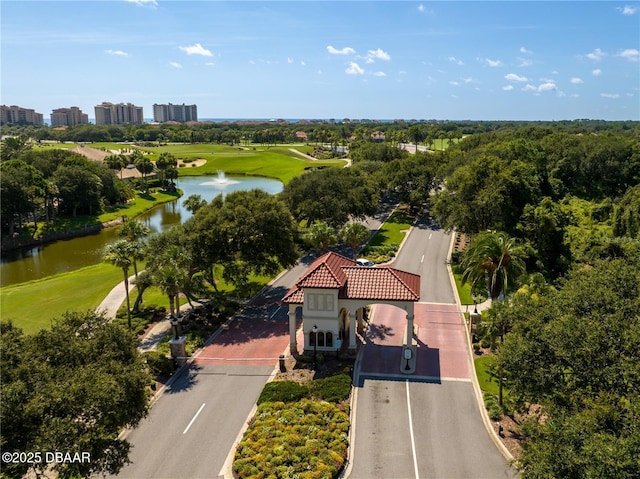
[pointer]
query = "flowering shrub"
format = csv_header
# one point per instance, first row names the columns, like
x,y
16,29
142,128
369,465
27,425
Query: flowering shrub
x,y
305,439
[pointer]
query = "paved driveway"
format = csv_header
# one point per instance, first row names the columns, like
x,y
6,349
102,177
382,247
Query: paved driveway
x,y
426,424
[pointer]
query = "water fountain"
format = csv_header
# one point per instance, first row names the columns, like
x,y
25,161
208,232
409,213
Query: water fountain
x,y
221,177
220,181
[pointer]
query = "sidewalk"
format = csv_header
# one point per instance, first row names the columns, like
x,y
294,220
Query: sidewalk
x,y
112,302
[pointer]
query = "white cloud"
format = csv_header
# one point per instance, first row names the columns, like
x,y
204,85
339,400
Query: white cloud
x,y
467,80
289,60
610,95
596,55
456,61
507,88
379,54
524,50
118,53
175,64
354,69
455,97
144,3
524,62
514,77
576,80
548,86
454,83
196,49
493,63
421,8
379,74
597,72
630,54
344,51
627,10
303,63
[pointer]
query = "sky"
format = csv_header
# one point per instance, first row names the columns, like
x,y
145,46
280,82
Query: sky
x,y
316,59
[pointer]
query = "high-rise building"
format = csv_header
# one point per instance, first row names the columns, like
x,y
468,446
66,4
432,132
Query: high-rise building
x,y
171,112
16,115
68,117
118,114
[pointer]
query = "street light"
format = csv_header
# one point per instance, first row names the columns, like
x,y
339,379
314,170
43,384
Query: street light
x,y
174,324
314,330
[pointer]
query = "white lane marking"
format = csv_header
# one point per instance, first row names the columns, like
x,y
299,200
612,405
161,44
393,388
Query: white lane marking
x,y
275,312
430,235
413,440
194,418
422,259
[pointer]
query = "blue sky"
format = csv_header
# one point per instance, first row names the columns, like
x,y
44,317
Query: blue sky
x,y
501,60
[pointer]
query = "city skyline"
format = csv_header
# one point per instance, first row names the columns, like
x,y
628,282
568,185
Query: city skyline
x,y
477,60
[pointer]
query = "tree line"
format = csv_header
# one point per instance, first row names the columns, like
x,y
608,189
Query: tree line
x,y
554,218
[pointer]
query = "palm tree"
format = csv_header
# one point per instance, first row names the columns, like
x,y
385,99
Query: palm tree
x,y
354,234
134,231
119,255
496,259
171,279
142,282
320,236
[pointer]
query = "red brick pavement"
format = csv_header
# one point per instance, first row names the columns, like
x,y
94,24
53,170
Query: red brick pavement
x,y
441,352
248,341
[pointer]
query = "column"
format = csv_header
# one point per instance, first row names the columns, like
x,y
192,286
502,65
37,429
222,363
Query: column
x,y
352,331
409,339
293,346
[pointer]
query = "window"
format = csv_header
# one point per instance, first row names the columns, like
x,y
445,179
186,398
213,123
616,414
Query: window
x,y
319,302
324,339
329,339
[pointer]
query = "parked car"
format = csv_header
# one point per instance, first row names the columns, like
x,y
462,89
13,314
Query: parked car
x,y
364,262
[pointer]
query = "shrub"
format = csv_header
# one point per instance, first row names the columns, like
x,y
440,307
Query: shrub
x,y
305,439
493,408
284,391
159,364
333,389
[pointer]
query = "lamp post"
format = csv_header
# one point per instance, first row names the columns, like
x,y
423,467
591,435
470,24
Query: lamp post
x,y
174,324
314,330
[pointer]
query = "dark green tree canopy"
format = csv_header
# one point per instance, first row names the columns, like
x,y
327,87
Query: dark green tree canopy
x,y
72,388
575,352
331,195
252,228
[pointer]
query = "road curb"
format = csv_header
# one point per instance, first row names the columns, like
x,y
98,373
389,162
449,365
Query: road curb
x,y
474,378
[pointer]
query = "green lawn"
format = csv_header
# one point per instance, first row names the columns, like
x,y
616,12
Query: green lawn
x,y
393,230
33,304
486,382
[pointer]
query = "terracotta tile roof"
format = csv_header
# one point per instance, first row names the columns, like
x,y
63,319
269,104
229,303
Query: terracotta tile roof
x,y
383,283
326,272
355,282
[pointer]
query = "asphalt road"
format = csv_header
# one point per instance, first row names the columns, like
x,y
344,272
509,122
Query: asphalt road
x,y
191,430
424,252
427,424
410,430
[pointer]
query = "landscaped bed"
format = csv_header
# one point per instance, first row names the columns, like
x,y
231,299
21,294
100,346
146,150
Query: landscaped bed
x,y
301,426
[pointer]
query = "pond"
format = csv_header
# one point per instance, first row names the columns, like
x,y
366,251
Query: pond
x,y
68,255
